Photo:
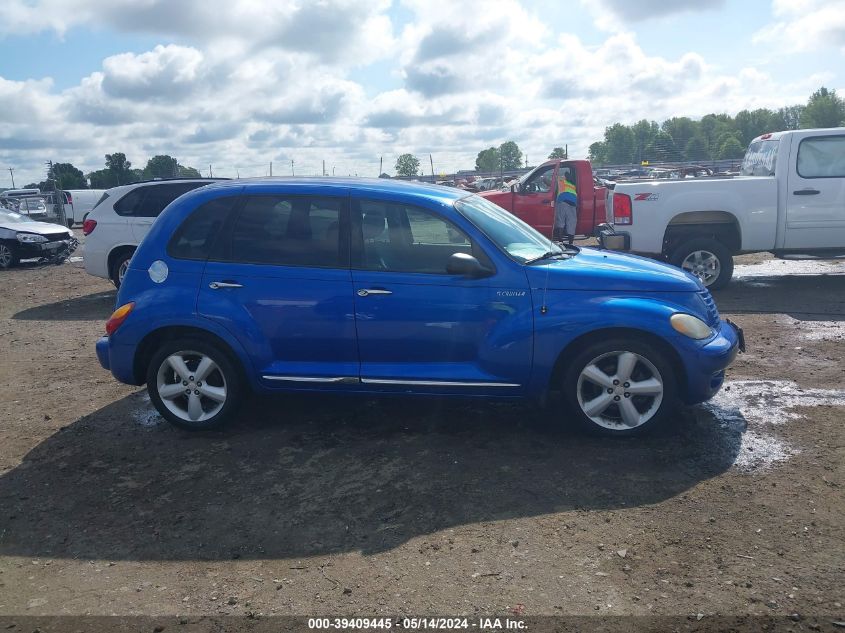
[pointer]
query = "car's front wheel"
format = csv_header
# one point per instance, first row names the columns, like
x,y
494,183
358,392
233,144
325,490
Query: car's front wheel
x,y
194,384
620,387
8,256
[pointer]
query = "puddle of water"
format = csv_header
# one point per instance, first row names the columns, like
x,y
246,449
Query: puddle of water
x,y
752,408
775,267
145,414
815,330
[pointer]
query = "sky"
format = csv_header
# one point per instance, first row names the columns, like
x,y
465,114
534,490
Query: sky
x,y
240,84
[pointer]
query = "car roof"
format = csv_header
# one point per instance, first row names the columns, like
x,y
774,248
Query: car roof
x,y
377,185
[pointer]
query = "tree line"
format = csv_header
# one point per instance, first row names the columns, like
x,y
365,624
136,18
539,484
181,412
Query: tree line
x,y
505,157
117,171
714,136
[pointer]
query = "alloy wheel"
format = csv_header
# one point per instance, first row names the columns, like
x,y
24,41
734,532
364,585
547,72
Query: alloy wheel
x,y
121,270
620,390
704,265
191,386
5,256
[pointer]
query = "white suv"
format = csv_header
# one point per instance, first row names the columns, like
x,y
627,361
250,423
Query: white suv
x,y
121,219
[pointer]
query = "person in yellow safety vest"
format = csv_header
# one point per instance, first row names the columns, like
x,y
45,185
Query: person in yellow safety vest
x,y
566,208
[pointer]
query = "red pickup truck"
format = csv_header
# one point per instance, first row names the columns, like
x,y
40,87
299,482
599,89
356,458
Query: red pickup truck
x,y
532,199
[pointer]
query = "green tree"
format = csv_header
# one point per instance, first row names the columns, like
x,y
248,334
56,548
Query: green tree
x,y
161,166
661,149
598,153
824,109
511,156
681,129
407,165
789,118
619,143
188,172
68,177
644,133
558,152
119,167
487,160
696,149
730,147
102,179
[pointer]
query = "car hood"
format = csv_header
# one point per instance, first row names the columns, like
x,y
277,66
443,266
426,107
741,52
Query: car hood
x,y
41,228
498,196
594,269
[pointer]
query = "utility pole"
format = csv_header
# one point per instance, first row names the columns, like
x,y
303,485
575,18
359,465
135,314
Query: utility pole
x,y
12,174
566,151
271,168
291,167
332,170
210,174
431,160
380,165
324,167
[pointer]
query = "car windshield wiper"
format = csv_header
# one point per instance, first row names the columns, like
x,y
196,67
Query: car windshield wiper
x,y
547,255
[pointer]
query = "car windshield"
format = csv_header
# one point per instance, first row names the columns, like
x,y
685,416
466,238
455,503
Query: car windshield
x,y
521,242
7,217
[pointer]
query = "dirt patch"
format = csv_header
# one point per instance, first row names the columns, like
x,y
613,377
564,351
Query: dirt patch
x,y
323,506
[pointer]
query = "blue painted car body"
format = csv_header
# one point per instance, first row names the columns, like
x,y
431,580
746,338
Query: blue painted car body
x,y
499,336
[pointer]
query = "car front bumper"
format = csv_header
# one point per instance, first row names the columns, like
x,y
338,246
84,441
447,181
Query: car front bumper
x,y
705,369
30,250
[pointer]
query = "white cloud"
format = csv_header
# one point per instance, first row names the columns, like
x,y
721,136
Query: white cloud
x,y
805,25
618,15
238,92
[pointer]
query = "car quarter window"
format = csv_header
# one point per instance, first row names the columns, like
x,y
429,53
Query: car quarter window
x,y
401,238
288,231
130,202
822,157
196,235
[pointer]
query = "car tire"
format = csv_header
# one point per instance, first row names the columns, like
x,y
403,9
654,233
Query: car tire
x,y
595,388
8,256
707,259
202,409
119,266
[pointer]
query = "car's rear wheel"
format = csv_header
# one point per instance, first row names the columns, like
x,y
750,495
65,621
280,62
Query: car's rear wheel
x,y
707,259
620,387
8,256
119,267
194,384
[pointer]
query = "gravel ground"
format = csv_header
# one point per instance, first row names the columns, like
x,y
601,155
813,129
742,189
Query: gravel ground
x,y
321,506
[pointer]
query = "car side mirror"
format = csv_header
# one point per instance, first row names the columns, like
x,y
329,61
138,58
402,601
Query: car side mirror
x,y
465,265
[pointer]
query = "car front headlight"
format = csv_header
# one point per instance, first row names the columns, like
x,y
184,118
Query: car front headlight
x,y
691,326
31,238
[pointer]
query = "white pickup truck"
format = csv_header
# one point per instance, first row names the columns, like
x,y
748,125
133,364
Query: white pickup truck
x,y
789,200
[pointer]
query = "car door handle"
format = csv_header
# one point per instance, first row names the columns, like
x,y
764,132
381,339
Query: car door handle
x,y
364,292
216,285
806,192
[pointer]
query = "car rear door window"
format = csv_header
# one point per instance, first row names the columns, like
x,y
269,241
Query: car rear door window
x,y
822,157
129,203
289,231
196,236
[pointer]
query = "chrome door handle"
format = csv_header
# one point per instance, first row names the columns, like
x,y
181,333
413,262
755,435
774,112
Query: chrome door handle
x,y
363,292
215,285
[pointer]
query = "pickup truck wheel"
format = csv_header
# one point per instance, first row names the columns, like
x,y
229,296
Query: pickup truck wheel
x,y
620,387
707,259
194,385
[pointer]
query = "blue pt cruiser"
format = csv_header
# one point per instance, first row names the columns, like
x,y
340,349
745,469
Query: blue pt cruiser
x,y
381,287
